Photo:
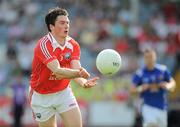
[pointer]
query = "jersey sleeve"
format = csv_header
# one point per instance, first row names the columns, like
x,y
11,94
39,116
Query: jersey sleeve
x,y
76,51
136,79
44,52
167,75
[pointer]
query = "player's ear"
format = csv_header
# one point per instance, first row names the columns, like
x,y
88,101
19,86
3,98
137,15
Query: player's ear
x,y
51,27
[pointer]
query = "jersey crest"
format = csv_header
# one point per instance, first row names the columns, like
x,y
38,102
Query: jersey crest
x,y
67,55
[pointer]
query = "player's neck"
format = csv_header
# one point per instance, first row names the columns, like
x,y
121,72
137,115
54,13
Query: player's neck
x,y
150,67
60,40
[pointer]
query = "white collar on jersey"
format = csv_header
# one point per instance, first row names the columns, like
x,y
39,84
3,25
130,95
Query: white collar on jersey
x,y
55,44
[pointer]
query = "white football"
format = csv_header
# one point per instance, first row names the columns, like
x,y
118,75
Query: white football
x,y
108,62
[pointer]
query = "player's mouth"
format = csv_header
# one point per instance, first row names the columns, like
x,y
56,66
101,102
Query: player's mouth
x,y
66,31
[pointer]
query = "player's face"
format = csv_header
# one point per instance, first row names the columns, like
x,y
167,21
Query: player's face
x,y
61,26
150,58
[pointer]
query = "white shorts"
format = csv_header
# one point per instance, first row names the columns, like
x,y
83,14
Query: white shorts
x,y
44,106
152,115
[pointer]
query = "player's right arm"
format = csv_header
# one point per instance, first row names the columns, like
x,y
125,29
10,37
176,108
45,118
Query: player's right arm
x,y
44,52
139,89
59,72
137,86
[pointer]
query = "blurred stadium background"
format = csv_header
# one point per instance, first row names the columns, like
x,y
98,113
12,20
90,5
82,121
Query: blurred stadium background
x,y
127,26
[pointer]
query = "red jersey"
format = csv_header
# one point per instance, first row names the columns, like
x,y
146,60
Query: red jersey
x,y
46,50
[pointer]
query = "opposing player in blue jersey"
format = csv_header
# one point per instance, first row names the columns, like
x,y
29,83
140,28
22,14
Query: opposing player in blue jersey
x,y
153,81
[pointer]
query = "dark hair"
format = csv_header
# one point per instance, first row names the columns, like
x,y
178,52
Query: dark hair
x,y
148,50
52,14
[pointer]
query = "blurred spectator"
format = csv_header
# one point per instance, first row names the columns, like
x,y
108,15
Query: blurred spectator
x,y
19,100
11,50
25,54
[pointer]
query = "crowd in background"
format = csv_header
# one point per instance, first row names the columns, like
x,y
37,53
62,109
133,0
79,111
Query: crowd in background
x,y
96,25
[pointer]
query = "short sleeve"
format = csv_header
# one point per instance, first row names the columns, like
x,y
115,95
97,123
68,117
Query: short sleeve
x,y
44,51
76,51
167,75
136,78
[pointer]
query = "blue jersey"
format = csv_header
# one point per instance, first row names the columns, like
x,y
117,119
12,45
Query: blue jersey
x,y
159,74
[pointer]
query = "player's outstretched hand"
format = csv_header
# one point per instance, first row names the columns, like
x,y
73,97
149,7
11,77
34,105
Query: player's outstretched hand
x,y
143,88
163,85
83,73
91,82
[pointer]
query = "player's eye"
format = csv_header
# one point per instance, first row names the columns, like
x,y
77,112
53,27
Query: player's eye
x,y
63,22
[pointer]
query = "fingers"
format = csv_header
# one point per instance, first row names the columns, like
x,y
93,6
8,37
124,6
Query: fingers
x,y
94,79
145,87
163,85
86,85
91,82
83,73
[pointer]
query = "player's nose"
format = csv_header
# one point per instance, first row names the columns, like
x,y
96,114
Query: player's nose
x,y
66,25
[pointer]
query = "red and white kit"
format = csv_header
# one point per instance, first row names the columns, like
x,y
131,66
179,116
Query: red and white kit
x,y
43,84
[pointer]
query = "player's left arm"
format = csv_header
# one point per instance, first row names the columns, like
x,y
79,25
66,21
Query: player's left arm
x,y
169,83
86,83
